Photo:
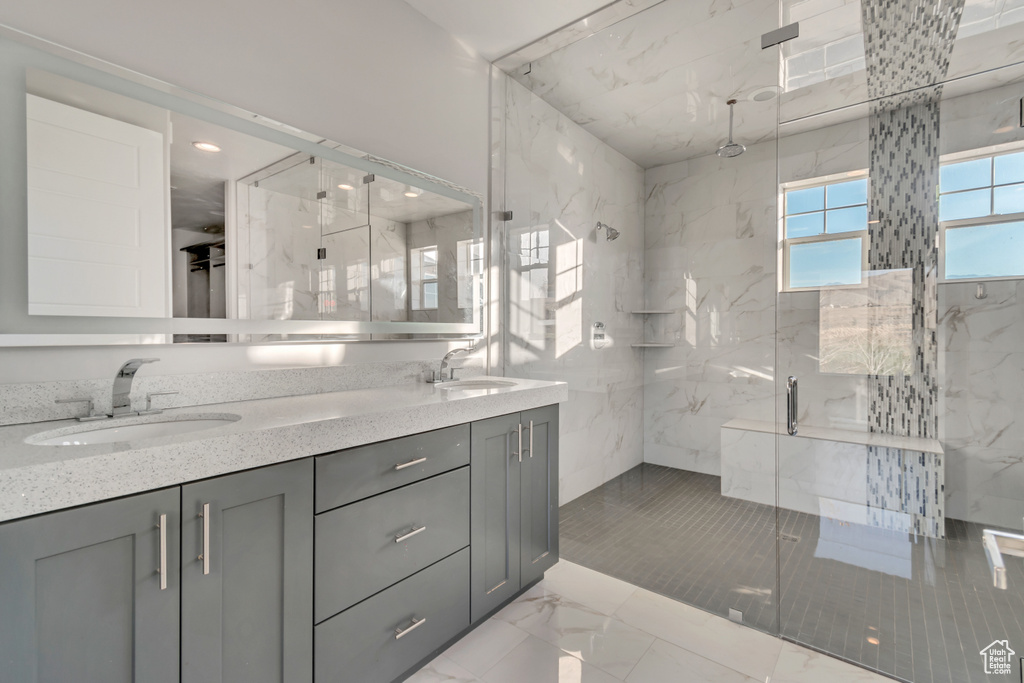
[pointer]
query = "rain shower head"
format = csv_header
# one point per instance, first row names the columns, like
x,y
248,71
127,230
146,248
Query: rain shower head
x,y
610,233
730,149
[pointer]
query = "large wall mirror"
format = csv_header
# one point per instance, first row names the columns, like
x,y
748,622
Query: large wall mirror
x,y
134,213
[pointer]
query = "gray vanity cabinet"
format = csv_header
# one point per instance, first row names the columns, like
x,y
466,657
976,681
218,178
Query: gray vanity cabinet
x,y
247,576
514,504
539,495
82,598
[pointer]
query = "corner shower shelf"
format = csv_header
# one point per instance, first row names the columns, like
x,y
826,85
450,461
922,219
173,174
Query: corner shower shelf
x,y
652,345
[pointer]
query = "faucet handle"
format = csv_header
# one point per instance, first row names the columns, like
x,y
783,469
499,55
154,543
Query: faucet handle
x,y
149,402
90,408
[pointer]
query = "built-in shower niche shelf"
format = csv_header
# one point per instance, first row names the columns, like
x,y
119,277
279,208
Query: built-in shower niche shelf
x,y
652,345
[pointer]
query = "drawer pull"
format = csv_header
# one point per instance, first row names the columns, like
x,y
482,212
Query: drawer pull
x,y
416,623
404,537
162,570
205,557
411,463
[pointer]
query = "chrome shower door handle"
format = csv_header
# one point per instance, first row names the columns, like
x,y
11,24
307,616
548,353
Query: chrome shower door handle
x,y
791,405
162,570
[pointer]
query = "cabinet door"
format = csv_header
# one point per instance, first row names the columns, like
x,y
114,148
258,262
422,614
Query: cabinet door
x,y
539,493
250,618
81,598
494,512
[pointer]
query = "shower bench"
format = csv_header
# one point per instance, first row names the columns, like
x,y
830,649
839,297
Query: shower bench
x,y
873,480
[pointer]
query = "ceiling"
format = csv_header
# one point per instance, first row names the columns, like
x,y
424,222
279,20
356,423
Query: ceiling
x,y
654,85
494,28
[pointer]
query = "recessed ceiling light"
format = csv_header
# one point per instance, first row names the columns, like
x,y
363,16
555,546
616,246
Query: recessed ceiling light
x,y
205,146
345,186
764,94
411,194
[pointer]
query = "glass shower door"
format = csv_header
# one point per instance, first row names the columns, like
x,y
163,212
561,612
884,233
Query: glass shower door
x,y
899,361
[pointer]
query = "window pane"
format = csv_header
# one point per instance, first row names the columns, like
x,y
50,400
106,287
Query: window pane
x,y
800,201
847,220
806,225
819,264
848,194
1009,199
1010,168
965,175
964,205
985,251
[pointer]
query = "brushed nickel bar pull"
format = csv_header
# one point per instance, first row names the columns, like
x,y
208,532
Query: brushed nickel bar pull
x,y
205,557
519,432
416,623
417,461
163,552
531,438
403,537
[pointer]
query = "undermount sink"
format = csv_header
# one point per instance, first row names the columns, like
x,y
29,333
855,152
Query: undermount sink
x,y
131,429
477,384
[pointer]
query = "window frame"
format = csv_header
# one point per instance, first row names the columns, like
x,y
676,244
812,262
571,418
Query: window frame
x,y
788,242
977,221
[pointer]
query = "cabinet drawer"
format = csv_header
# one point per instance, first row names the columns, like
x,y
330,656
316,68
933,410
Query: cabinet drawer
x,y
356,549
361,645
357,473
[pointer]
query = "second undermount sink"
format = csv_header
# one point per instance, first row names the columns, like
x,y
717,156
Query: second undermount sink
x,y
477,384
131,429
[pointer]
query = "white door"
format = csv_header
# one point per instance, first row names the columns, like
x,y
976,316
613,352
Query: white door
x,y
98,240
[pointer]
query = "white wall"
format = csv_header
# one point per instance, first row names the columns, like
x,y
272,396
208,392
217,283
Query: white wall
x,y
377,76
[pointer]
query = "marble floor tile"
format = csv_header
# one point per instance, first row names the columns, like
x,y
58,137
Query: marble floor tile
x,y
799,665
740,648
442,670
485,645
534,661
665,662
596,638
595,590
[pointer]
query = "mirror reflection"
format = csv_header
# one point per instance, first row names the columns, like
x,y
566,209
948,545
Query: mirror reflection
x,y
139,211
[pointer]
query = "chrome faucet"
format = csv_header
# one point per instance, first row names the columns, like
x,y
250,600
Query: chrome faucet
x,y
439,377
123,385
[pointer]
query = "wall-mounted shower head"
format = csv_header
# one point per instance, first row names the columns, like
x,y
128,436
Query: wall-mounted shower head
x,y
610,233
730,149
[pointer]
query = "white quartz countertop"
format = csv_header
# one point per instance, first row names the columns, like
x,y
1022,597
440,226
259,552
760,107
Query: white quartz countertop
x,y
36,479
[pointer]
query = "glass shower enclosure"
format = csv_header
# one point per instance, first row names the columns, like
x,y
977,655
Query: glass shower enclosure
x,y
822,341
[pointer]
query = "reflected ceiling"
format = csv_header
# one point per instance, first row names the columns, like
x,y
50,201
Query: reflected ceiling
x,y
654,86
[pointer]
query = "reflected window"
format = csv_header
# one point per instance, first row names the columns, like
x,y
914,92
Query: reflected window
x,y
981,214
825,234
470,266
424,278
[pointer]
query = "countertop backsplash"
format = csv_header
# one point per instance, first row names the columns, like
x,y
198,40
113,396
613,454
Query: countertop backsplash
x,y
35,402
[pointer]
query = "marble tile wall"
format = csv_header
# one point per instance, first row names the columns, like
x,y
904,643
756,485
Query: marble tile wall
x,y
710,256
564,277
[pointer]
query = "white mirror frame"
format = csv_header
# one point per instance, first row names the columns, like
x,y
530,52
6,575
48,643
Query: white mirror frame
x,y
16,58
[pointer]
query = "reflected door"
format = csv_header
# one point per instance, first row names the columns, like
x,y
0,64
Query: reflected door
x,y
98,240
